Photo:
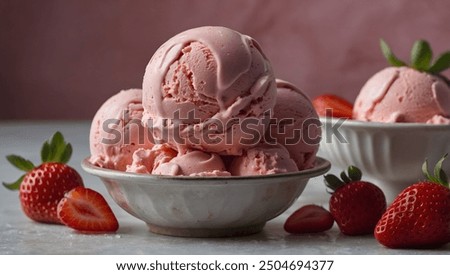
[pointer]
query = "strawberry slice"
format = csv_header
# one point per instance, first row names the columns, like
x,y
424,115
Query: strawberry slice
x,y
332,105
86,210
309,219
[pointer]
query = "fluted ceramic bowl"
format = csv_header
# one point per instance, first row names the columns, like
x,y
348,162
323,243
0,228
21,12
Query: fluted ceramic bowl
x,y
205,206
389,154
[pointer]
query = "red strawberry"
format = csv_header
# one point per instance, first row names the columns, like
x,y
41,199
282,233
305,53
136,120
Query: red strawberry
x,y
85,210
419,217
42,187
355,205
309,219
333,105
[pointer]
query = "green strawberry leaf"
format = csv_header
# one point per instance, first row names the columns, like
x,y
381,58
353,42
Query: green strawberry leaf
x,y
389,55
332,182
20,163
354,173
14,185
439,176
442,63
426,173
45,151
421,55
345,178
67,153
56,149
57,144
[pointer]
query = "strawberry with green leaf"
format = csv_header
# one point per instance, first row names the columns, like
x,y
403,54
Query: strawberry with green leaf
x,y
43,186
419,217
356,205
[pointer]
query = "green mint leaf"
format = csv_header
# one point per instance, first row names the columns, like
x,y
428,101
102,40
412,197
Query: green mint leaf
x,y
14,185
442,63
20,163
421,55
389,55
67,153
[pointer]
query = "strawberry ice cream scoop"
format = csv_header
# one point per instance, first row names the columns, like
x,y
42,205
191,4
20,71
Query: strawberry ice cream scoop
x,y
193,163
297,125
202,84
117,131
145,160
263,159
402,94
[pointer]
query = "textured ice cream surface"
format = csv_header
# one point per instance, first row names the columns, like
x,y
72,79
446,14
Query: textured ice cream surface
x,y
263,160
145,160
297,125
402,94
202,84
193,163
117,132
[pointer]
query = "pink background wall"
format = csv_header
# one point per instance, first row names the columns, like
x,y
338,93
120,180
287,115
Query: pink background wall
x,y
62,59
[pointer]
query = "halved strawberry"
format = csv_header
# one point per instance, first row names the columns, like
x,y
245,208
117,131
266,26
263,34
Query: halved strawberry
x,y
309,219
86,210
332,105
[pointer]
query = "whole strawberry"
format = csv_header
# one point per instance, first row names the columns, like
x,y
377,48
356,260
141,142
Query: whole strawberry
x,y
42,187
419,217
355,205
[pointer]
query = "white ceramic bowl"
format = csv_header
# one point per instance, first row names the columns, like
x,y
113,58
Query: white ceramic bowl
x,y
389,154
205,206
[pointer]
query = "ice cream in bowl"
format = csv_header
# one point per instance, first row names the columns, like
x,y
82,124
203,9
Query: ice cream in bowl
x,y
212,145
400,118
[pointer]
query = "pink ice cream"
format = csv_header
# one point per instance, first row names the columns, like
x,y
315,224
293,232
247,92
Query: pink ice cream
x,y
193,163
116,131
201,84
297,125
401,94
145,160
263,160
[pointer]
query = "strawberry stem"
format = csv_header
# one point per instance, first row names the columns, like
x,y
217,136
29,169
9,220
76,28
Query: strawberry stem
x,y
439,177
56,149
354,173
333,182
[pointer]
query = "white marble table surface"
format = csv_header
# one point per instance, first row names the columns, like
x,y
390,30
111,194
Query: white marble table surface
x,y
19,235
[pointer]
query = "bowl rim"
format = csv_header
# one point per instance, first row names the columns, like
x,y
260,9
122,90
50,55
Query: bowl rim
x,y
383,125
321,167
